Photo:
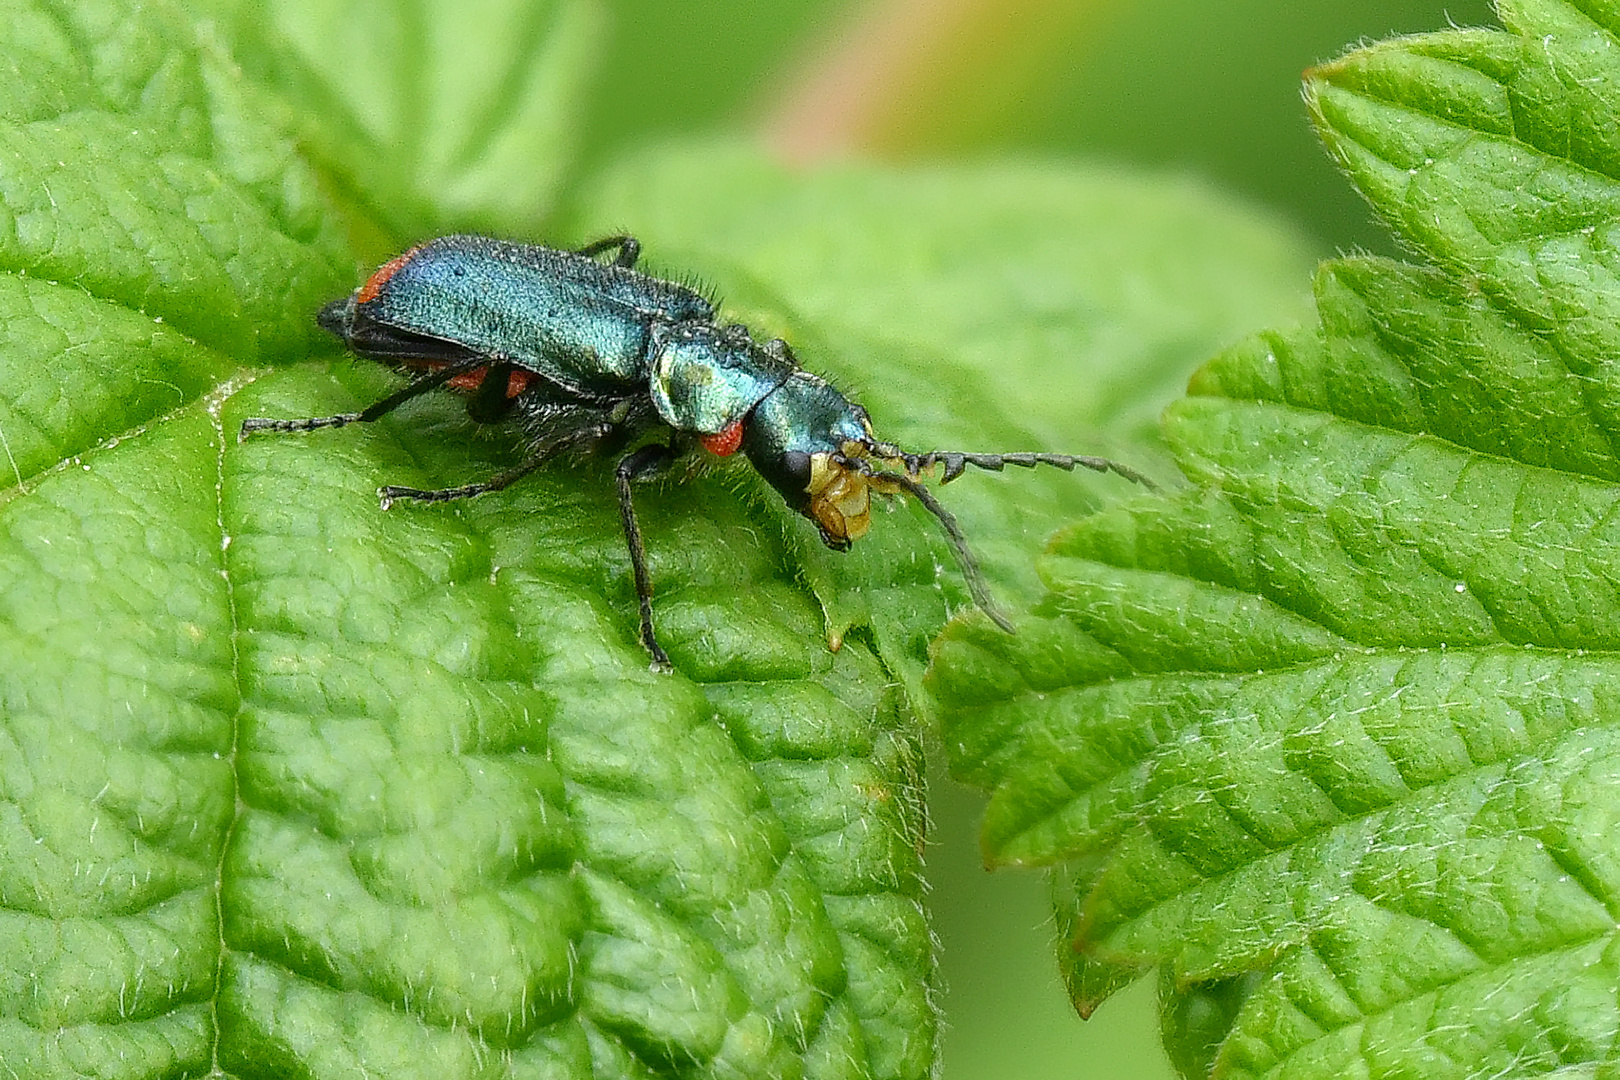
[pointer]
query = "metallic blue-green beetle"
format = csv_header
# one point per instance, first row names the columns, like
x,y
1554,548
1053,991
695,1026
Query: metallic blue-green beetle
x,y
587,355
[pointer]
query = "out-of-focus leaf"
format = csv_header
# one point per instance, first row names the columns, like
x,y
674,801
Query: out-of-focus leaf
x,y
427,118
1337,721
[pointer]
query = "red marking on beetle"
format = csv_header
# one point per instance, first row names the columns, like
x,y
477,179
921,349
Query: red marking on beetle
x,y
724,442
377,280
517,380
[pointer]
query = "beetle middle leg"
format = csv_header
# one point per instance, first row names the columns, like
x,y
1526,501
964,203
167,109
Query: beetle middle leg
x,y
539,454
642,464
629,249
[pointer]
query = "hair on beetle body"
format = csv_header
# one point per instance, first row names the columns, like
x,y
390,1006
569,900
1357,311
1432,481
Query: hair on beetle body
x,y
589,355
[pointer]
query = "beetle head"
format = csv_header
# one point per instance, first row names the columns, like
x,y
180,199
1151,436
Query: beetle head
x,y
805,438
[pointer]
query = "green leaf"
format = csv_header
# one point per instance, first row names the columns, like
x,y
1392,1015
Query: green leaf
x,y
427,117
290,786
1331,733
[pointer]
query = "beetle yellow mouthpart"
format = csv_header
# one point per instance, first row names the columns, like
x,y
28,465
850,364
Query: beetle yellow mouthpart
x,y
840,500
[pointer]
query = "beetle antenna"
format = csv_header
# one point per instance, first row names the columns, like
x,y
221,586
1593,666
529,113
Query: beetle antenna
x,y
955,462
964,555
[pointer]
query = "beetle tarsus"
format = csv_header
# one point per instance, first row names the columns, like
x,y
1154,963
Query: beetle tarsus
x,y
539,454
465,491
313,423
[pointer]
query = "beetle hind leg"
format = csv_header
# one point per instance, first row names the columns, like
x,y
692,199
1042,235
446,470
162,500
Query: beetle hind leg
x,y
491,401
376,410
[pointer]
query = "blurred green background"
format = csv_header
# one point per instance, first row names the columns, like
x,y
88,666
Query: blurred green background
x,y
1176,85
1181,86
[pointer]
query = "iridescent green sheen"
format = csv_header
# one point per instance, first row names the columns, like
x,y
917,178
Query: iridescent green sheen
x,y
579,354
575,321
705,379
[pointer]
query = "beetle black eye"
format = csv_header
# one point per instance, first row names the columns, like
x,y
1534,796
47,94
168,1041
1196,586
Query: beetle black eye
x,y
789,473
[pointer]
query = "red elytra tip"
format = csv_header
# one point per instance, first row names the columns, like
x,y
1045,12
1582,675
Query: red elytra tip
x,y
723,443
377,280
468,380
518,381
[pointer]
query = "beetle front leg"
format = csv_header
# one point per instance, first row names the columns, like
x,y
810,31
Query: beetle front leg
x,y
642,464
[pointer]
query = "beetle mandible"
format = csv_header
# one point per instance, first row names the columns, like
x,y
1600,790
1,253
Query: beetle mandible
x,y
583,354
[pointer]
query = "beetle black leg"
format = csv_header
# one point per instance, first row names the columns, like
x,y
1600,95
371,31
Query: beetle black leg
x,y
642,464
629,249
466,491
432,380
538,456
490,403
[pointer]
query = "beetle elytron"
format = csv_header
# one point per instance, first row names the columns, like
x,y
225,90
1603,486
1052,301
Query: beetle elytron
x,y
583,354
